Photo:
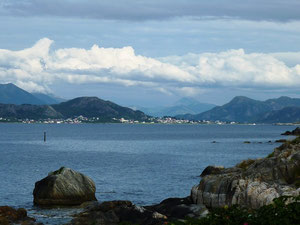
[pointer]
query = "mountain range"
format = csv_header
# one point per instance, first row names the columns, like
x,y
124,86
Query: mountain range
x,y
245,110
18,103
48,99
83,106
11,94
95,107
182,106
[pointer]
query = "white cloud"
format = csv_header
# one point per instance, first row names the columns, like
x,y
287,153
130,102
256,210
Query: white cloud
x,y
289,58
236,68
36,68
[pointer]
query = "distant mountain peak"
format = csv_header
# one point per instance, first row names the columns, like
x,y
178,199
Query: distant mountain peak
x,y
85,100
12,94
48,99
243,109
284,97
9,84
96,107
241,99
186,105
186,101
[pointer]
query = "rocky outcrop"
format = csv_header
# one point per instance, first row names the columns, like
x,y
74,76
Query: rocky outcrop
x,y
280,140
253,183
64,187
179,208
9,215
295,132
116,212
212,170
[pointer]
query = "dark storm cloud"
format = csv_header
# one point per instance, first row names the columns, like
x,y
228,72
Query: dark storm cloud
x,y
276,10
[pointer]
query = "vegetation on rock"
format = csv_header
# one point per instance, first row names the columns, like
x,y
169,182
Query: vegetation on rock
x,y
284,211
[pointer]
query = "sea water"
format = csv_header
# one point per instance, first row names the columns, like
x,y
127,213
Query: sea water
x,y
141,163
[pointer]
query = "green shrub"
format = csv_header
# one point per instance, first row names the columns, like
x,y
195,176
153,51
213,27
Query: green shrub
x,y
278,213
245,163
270,155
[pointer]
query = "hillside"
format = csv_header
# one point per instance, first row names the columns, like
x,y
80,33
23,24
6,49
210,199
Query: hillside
x,y
11,94
286,115
245,110
28,112
48,99
95,107
239,109
84,106
280,103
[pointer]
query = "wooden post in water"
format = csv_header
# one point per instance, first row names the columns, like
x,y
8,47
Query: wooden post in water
x,y
44,136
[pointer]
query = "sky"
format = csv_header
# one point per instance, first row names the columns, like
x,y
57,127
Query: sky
x,y
151,53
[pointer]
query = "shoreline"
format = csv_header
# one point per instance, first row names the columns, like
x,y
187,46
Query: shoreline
x,y
218,124
121,203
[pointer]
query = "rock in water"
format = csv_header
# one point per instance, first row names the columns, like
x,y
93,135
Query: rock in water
x,y
64,187
9,215
253,183
295,132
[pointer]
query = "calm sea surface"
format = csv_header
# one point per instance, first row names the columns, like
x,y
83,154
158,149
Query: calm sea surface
x,y
141,163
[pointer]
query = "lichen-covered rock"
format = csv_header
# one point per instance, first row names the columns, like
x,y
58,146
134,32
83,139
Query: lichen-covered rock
x,y
64,187
253,183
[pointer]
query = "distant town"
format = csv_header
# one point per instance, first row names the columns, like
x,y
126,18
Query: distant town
x,y
82,119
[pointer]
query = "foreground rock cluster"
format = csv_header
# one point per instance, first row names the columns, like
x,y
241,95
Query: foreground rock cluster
x,y
115,212
252,183
9,215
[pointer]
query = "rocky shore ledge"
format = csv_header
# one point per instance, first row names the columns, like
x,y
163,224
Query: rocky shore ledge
x,y
251,184
9,215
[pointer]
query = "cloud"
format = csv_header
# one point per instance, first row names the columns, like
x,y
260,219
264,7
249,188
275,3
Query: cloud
x,y
156,9
234,68
39,67
289,58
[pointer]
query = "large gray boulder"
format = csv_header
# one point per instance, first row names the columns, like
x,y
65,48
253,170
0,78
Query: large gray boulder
x,y
64,187
253,183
